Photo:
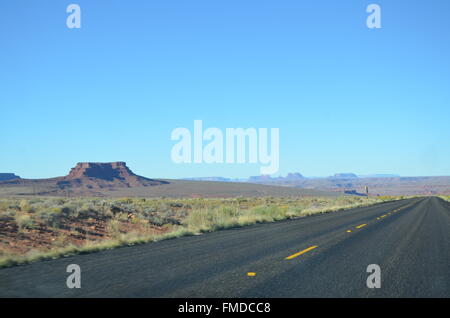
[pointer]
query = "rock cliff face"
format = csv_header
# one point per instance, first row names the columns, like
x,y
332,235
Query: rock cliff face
x,y
106,171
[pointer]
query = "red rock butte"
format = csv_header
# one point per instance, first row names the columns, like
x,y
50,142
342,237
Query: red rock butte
x,y
101,170
102,174
86,178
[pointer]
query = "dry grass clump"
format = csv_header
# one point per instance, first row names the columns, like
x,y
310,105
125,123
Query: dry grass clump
x,y
44,227
250,211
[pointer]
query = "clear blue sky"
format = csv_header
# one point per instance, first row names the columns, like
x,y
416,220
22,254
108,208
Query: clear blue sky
x,y
346,98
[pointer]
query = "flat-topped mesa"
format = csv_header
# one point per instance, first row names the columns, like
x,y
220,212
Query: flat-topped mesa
x,y
105,174
294,176
8,176
101,170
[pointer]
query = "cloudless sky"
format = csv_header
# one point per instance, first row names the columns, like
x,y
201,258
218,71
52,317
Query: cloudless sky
x,y
346,98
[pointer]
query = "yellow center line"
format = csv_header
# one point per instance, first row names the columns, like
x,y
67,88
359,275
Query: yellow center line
x,y
360,226
251,274
300,253
349,231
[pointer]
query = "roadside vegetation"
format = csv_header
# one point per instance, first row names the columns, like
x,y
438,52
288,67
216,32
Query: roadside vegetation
x,y
446,198
44,228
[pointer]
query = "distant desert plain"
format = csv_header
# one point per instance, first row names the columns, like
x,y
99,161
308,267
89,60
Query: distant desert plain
x,y
115,179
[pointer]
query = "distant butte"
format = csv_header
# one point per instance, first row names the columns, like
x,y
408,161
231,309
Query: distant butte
x,y
86,178
100,175
8,176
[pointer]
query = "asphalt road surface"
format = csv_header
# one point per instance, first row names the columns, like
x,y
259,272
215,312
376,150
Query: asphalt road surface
x,y
318,256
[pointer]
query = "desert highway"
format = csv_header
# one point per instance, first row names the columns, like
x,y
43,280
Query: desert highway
x,y
319,256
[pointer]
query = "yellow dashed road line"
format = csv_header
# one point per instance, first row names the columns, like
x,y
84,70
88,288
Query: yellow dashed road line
x,y
301,252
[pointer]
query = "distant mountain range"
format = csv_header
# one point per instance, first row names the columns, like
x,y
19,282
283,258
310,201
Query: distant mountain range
x,y
115,179
294,176
350,183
